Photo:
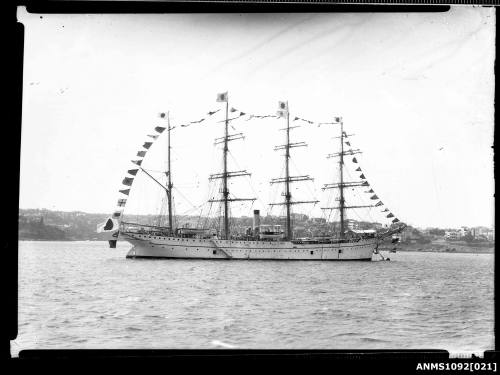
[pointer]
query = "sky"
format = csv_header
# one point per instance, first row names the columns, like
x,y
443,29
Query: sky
x,y
415,89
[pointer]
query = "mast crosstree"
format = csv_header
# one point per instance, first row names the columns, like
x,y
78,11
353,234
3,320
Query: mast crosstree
x,y
342,185
284,112
224,97
160,241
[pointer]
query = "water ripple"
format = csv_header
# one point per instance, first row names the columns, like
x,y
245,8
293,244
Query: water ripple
x,y
82,294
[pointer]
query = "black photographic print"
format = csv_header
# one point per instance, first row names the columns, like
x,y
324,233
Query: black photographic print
x,y
243,180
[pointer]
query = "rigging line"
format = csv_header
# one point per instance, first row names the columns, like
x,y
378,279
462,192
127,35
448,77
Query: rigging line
x,y
370,208
153,170
190,168
211,194
362,198
307,186
249,180
182,195
355,195
205,204
214,186
206,221
272,192
192,209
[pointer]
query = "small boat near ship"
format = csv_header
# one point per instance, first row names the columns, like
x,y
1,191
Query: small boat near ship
x,y
259,242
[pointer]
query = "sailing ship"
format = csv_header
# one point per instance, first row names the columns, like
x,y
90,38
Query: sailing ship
x,y
260,242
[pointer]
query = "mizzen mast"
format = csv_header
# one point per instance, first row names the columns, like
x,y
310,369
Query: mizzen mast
x,y
284,112
341,185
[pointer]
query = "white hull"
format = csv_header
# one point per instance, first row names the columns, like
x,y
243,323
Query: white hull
x,y
150,246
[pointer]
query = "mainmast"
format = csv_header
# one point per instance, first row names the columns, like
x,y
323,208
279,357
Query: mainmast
x,y
227,174
225,191
284,112
288,196
169,184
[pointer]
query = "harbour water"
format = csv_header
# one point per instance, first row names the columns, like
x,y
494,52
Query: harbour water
x,y
83,295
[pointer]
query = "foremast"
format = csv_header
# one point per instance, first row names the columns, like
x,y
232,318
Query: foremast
x,y
225,175
169,182
168,173
285,113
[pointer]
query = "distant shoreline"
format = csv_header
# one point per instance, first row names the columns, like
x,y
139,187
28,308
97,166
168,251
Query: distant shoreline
x,y
461,251
443,248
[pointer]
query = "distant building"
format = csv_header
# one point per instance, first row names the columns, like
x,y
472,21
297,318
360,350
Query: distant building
x,y
451,235
463,231
317,220
300,217
352,224
483,233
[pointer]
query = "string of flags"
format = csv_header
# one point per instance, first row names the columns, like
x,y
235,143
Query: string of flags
x,y
223,97
141,154
365,183
260,116
336,120
129,179
209,114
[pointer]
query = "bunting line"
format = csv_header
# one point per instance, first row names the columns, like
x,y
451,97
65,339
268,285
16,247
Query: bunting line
x,y
365,183
336,120
282,112
127,181
260,116
138,162
126,191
